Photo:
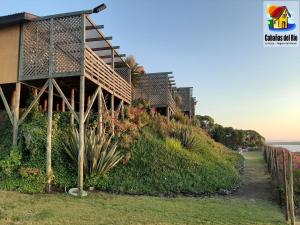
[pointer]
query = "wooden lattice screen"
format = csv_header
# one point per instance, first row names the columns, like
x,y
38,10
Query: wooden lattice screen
x,y
52,45
186,98
156,89
124,72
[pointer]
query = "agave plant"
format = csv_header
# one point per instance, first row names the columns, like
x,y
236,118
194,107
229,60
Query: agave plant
x,y
184,135
100,155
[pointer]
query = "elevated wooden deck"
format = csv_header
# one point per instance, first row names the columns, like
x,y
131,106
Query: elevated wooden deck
x,y
157,89
187,100
64,47
102,74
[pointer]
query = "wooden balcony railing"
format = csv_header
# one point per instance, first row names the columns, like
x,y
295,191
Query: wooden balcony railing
x,y
98,71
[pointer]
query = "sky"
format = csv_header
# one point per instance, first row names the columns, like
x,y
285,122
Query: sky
x,y
216,46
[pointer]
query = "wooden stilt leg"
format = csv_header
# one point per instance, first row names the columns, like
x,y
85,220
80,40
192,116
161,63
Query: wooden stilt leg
x,y
168,113
13,100
122,110
72,104
81,136
88,101
16,113
49,137
112,102
63,106
57,107
45,105
100,110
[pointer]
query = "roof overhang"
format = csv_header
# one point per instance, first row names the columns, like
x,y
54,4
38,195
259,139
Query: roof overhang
x,y
14,19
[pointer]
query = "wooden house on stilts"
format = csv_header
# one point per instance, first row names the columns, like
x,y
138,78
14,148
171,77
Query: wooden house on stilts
x,y
68,63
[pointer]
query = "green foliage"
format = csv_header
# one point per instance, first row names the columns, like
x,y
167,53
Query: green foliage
x,y
184,134
161,157
180,117
9,165
141,103
230,137
173,144
100,154
159,166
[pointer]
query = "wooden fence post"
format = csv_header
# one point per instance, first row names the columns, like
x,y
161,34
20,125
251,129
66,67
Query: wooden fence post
x,y
291,183
285,184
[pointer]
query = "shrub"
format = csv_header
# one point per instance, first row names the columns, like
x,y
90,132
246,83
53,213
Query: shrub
x,y
180,117
9,165
160,126
173,144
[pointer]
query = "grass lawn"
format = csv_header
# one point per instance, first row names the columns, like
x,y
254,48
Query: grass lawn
x,y
102,208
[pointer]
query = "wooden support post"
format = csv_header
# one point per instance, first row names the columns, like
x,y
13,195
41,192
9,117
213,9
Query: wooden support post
x,y
16,109
63,105
88,101
49,137
45,105
285,184
122,110
81,136
72,104
13,100
57,107
35,92
291,183
277,167
168,113
100,110
112,108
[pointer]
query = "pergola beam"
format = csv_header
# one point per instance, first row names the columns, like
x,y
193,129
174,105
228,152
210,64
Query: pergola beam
x,y
110,56
105,48
94,27
98,39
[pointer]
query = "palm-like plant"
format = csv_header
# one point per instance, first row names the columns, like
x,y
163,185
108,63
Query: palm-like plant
x,y
100,155
136,70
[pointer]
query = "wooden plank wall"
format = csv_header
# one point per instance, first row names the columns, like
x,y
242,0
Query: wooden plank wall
x,y
9,54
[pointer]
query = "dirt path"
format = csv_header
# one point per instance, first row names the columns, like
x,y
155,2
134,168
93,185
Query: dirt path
x,y
256,180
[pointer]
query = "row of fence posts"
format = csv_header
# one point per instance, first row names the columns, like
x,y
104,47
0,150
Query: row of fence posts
x,y
280,165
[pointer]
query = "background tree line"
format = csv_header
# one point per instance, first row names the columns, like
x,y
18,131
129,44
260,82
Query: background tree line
x,y
230,137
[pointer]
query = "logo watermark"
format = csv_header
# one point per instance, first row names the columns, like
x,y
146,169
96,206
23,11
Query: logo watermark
x,y
281,23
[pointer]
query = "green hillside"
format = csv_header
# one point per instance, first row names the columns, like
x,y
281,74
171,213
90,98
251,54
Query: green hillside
x,y
161,157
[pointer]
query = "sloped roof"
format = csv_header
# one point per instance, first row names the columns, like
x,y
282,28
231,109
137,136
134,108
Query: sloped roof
x,y
278,12
17,18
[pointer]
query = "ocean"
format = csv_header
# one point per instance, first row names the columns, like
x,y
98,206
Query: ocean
x,y
290,147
